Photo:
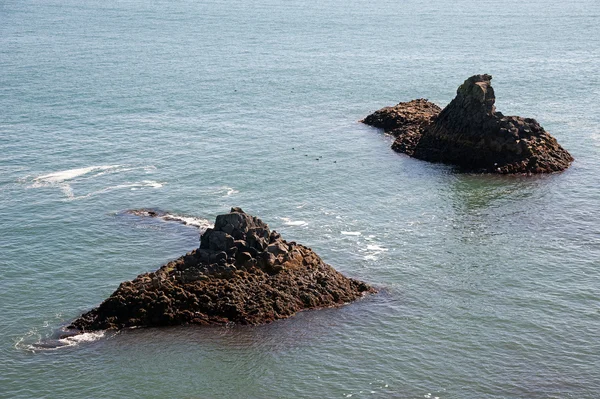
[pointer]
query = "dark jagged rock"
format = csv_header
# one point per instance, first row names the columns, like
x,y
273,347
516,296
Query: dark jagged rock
x,y
471,134
406,120
242,273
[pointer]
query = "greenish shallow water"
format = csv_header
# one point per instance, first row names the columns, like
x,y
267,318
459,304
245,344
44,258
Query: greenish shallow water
x,y
490,286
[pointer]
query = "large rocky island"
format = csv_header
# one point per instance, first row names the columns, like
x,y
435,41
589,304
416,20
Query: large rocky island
x,y
471,134
242,273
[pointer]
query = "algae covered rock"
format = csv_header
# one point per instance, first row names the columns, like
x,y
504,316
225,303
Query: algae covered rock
x,y
242,273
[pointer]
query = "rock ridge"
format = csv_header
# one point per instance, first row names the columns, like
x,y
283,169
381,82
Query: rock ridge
x,y
242,273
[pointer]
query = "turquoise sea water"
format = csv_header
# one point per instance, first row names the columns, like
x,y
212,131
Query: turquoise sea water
x,y
489,286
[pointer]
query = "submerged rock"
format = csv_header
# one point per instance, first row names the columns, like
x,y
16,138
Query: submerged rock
x,y
242,273
471,134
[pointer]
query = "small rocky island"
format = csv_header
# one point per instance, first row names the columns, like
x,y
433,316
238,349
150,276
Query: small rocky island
x,y
242,273
471,134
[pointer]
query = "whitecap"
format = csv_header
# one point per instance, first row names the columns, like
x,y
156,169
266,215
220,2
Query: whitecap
x,y
351,233
67,190
81,338
45,344
374,247
153,184
296,223
201,224
57,177
230,191
289,222
225,191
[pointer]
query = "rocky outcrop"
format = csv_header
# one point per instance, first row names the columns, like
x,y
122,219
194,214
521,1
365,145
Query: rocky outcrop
x,y
242,273
407,120
471,134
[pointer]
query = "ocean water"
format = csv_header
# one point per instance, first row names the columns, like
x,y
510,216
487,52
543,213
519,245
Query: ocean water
x,y
489,286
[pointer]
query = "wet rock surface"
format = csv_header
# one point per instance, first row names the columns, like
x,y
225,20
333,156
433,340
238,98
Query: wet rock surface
x,y
242,273
471,134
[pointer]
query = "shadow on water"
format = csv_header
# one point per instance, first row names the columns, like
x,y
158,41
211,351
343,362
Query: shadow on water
x,y
470,192
490,205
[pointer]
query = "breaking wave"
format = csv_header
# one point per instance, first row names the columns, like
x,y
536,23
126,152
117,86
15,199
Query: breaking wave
x,y
289,222
200,223
33,341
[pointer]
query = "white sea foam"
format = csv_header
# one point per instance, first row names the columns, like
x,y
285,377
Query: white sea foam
x,y
33,341
120,169
225,191
81,338
63,179
230,191
67,190
351,233
201,224
289,222
57,177
374,247
131,186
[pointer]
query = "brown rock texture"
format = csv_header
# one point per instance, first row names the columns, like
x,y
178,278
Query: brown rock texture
x,y
406,120
471,134
242,273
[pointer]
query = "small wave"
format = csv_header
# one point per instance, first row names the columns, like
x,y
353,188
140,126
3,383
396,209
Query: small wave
x,y
351,233
201,224
33,341
230,191
289,222
147,169
374,247
81,338
225,191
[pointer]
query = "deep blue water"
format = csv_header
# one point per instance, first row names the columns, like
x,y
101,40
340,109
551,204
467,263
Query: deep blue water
x,y
489,286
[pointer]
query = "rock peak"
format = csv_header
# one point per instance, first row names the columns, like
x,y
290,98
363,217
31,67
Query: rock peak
x,y
477,93
239,222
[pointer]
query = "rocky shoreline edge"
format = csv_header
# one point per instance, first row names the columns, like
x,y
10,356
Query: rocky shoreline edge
x,y
471,134
242,273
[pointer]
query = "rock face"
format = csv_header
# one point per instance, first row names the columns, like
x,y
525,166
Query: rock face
x,y
242,273
471,134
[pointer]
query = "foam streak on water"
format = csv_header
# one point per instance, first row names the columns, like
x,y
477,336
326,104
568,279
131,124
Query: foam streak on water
x,y
57,177
201,224
83,176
